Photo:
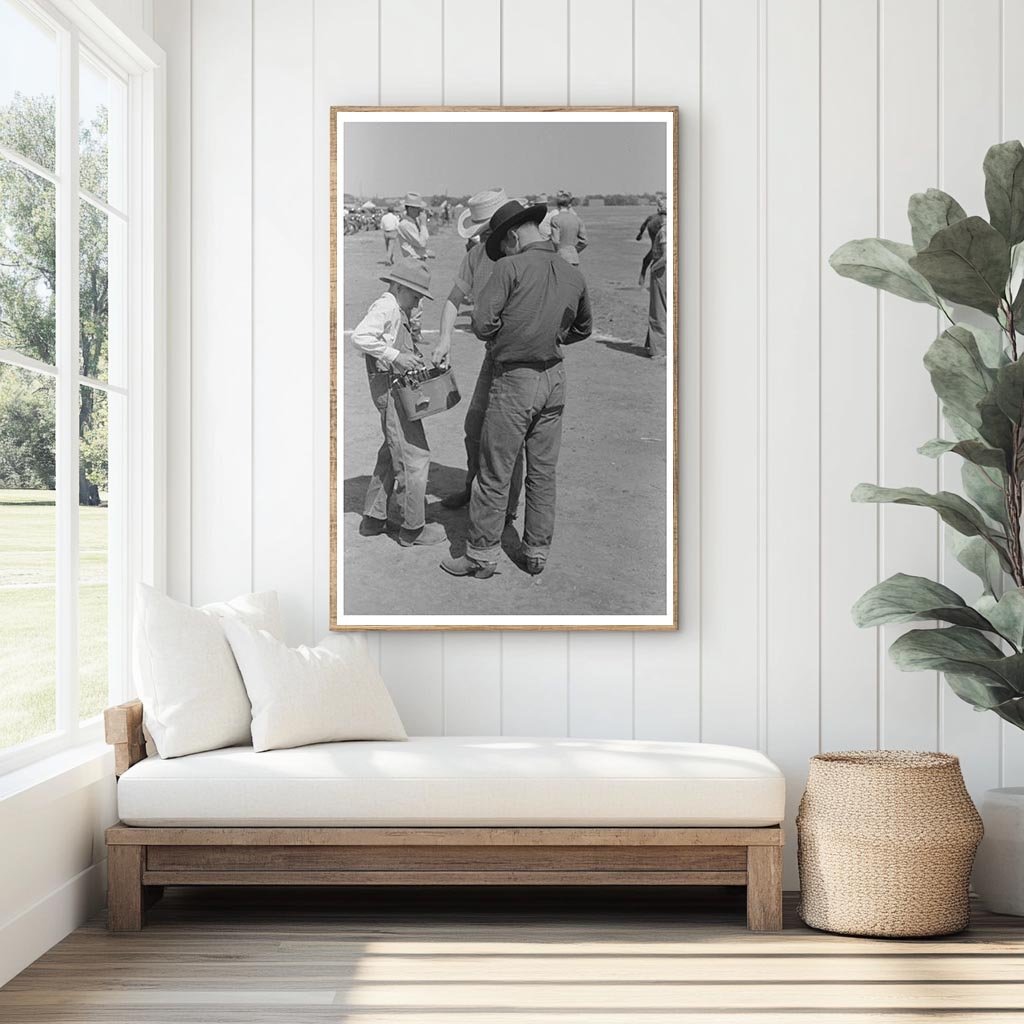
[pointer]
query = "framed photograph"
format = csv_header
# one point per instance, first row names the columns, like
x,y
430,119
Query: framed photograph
x,y
504,359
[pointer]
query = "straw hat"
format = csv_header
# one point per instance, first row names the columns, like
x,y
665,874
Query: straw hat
x,y
414,199
479,210
412,274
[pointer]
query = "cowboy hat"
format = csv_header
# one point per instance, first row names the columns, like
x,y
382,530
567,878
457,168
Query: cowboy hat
x,y
414,199
509,216
412,274
479,210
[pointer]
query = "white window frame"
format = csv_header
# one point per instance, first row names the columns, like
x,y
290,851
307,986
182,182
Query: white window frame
x,y
140,63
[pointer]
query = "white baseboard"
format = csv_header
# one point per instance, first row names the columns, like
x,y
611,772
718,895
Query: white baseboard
x,y
26,937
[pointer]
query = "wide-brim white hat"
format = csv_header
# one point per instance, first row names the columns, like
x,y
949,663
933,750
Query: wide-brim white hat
x,y
479,211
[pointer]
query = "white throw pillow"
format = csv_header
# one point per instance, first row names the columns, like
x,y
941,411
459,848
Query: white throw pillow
x,y
309,694
192,693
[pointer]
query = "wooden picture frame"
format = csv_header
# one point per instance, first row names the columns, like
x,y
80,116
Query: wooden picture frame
x,y
666,617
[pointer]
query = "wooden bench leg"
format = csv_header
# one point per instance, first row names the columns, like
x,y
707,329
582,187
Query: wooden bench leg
x,y
125,896
764,888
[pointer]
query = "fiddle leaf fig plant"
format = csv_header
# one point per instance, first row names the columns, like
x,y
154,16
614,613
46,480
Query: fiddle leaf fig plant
x,y
957,260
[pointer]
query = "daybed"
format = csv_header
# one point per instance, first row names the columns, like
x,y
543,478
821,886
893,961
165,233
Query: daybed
x,y
444,811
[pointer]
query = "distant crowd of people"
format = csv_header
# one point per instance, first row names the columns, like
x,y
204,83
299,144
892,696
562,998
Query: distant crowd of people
x,y
521,275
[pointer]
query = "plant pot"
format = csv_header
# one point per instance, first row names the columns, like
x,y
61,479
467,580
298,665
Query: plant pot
x,y
999,868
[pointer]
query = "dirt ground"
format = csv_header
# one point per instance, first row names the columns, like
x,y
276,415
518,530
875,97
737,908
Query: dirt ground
x,y
608,555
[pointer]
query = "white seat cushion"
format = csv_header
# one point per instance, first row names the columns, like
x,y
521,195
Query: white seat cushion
x,y
459,780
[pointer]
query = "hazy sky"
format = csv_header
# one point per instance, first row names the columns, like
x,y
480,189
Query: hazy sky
x,y
389,159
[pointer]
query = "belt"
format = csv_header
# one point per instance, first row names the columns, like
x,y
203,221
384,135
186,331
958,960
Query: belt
x,y
545,364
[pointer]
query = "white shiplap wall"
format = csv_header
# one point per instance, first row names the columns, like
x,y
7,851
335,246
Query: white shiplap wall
x,y
804,123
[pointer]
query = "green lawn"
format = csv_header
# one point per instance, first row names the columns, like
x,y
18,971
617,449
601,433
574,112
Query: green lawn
x,y
28,617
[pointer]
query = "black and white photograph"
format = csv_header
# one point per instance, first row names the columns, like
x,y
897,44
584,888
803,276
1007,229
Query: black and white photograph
x,y
504,352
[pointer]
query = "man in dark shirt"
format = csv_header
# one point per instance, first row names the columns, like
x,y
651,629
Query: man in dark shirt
x,y
534,304
652,225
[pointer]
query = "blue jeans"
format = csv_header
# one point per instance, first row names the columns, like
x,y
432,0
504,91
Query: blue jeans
x,y
473,427
656,321
524,406
403,460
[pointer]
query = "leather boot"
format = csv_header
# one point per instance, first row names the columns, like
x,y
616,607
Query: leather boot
x,y
431,533
466,566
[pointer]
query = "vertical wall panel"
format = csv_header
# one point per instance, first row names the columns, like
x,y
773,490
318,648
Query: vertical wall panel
x,y
909,413
792,385
601,685
413,670
1012,127
535,52
535,695
283,308
666,666
351,81
472,661
600,67
472,52
472,684
221,372
729,386
173,30
600,668
849,372
410,52
969,124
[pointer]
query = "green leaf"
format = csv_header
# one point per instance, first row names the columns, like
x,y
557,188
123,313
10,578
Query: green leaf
x,y
1004,189
1016,278
903,598
984,486
1011,711
1009,390
1006,614
962,430
976,555
980,692
967,263
995,428
883,264
963,652
973,451
958,372
1017,308
932,211
952,509
990,345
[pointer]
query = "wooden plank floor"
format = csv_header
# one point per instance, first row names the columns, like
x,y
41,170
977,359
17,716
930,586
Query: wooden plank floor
x,y
219,956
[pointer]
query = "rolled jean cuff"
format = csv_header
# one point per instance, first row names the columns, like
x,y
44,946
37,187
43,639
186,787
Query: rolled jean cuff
x,y
532,551
489,556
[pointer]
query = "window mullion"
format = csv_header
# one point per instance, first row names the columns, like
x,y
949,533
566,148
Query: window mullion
x,y
67,386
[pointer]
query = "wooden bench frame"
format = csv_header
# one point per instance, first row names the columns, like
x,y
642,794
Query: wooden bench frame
x,y
142,860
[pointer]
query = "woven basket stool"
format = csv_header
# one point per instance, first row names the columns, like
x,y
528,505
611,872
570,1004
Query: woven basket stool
x,y
886,840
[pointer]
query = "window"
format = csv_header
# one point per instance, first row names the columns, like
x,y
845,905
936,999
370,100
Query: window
x,y
74,167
